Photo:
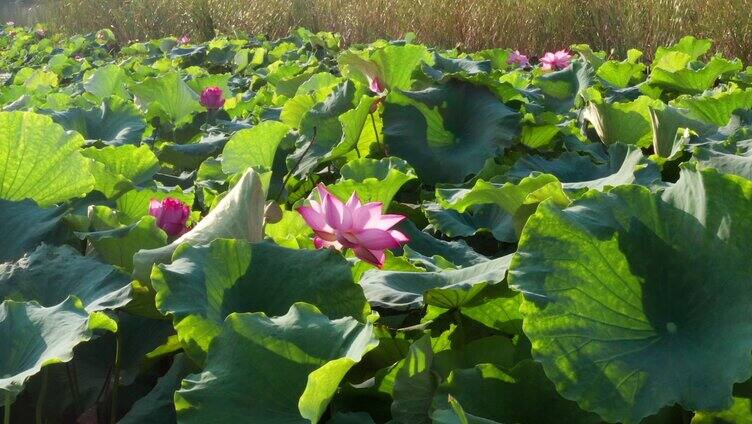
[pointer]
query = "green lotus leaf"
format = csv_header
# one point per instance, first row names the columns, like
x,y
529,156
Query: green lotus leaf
x,y
626,165
414,384
392,64
691,81
688,45
627,122
274,370
291,231
621,288
444,67
169,97
48,275
456,252
486,217
36,337
739,412
106,81
337,126
115,122
522,394
670,127
42,161
24,225
373,180
120,168
157,407
399,290
239,215
253,147
509,196
623,74
561,89
446,133
116,243
728,163
715,109
205,284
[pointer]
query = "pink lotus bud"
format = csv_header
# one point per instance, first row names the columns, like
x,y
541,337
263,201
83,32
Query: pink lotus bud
x,y
519,59
184,39
352,225
79,57
211,98
172,215
376,85
556,61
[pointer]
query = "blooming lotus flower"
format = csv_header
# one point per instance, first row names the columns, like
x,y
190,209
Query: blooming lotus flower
x,y
172,215
211,98
184,39
555,61
519,59
352,225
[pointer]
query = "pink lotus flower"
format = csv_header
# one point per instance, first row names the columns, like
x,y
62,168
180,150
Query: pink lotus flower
x,y
184,39
172,215
79,57
352,225
211,98
555,61
519,59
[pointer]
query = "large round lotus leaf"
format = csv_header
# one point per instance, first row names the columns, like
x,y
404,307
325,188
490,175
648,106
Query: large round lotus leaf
x,y
168,97
635,300
626,165
119,168
106,81
446,133
24,225
373,180
115,122
281,370
519,395
42,160
205,284
449,288
34,336
50,274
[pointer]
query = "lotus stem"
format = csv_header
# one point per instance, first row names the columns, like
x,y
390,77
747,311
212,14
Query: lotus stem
x,y
376,135
42,396
116,378
6,410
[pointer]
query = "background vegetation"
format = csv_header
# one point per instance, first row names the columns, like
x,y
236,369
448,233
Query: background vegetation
x,y
530,25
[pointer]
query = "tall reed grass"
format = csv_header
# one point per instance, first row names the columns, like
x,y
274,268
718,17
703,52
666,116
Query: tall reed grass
x,y
533,26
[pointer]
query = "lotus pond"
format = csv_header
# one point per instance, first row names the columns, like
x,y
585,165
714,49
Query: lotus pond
x,y
304,231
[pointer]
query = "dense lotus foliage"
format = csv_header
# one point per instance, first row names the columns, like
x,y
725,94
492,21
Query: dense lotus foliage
x,y
300,231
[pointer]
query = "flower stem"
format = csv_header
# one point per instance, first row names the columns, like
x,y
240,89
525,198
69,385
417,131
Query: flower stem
x,y
116,378
295,167
6,410
42,396
376,135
